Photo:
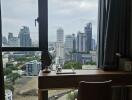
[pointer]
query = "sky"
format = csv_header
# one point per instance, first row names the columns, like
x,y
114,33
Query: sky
x,y
71,15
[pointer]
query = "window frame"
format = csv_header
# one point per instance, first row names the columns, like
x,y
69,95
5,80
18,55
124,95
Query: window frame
x,y
43,39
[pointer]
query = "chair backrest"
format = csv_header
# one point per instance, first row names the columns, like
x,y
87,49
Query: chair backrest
x,y
94,91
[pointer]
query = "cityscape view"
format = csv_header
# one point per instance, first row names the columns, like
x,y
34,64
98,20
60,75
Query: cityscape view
x,y
72,43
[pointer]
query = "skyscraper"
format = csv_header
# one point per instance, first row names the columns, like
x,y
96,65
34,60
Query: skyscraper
x,y
69,46
60,45
88,32
69,43
13,41
4,41
74,42
10,35
24,35
60,35
93,45
81,42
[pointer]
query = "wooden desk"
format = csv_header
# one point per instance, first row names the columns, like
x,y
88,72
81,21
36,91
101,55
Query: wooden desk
x,y
56,81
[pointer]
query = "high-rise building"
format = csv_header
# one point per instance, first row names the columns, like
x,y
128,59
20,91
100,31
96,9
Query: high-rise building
x,y
93,45
13,41
74,42
81,42
69,46
60,51
88,32
10,35
32,68
60,44
24,35
4,41
60,35
69,43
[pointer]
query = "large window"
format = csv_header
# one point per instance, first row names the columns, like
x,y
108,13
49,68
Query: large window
x,y
23,38
72,34
72,30
65,28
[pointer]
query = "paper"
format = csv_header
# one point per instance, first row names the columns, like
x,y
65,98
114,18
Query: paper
x,y
66,71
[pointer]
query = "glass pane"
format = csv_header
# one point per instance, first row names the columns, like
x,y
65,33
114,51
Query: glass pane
x,y
20,74
18,23
72,38
73,33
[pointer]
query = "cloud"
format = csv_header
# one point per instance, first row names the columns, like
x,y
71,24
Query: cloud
x,y
16,13
72,6
72,15
88,5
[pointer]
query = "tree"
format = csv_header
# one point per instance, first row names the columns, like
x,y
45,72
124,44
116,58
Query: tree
x,y
72,64
13,77
27,59
7,71
72,95
9,64
9,86
91,63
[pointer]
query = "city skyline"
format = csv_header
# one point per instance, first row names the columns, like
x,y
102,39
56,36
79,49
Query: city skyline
x,y
66,19
22,39
76,33
71,15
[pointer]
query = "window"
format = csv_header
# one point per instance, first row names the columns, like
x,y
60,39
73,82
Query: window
x,y
20,74
23,37
67,29
18,23
72,32
23,25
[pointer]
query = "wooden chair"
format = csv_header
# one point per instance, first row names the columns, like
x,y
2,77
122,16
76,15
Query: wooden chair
x,y
94,91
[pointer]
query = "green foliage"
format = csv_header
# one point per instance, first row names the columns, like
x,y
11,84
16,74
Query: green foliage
x,y
9,64
13,77
91,63
9,86
10,77
9,69
72,64
13,68
27,59
71,96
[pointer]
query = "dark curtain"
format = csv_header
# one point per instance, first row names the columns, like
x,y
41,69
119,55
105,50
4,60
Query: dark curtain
x,y
113,32
114,37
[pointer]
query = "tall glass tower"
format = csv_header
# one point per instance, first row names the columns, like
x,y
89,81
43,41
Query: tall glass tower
x,y
24,35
